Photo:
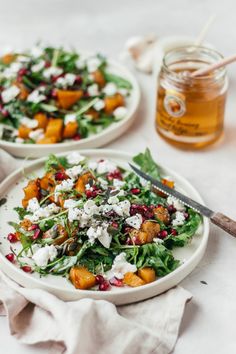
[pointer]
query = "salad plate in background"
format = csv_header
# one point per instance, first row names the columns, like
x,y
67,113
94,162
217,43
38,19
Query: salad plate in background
x,y
89,227
53,100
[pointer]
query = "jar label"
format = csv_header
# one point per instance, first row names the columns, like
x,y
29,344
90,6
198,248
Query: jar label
x,y
174,105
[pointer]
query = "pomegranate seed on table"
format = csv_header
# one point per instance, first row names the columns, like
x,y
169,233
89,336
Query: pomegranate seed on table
x,y
116,282
12,238
104,286
99,279
135,190
162,234
36,234
26,269
10,257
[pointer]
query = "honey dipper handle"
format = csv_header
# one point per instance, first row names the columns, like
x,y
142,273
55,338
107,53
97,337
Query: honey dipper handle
x,y
225,223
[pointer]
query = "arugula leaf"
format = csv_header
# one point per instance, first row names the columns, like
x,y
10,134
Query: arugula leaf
x,y
53,162
119,81
185,232
21,212
147,164
153,255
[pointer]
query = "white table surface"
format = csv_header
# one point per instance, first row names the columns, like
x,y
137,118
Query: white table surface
x,y
209,320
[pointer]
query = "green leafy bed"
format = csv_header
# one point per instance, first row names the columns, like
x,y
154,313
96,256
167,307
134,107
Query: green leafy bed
x,y
97,258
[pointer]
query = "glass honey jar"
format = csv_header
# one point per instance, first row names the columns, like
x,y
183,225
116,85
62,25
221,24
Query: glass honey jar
x,y
190,111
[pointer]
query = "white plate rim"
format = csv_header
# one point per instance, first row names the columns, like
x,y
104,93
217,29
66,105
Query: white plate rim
x,y
135,293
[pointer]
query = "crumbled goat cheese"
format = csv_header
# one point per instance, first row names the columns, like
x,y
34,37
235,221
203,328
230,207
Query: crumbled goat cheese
x,y
52,71
29,123
90,208
38,67
45,212
33,205
122,208
12,70
44,254
36,51
106,208
179,219
10,93
93,90
36,97
105,166
73,212
135,221
65,186
118,183
19,140
74,171
80,64
176,203
113,200
120,267
93,64
92,165
74,158
99,105
110,89
100,233
36,134
22,59
71,117
102,182
120,112
157,240
67,80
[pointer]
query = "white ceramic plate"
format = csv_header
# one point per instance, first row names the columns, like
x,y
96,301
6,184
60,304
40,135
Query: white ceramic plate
x,y
11,188
93,141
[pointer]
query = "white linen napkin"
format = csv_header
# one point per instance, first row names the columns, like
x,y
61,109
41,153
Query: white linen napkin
x,y
90,326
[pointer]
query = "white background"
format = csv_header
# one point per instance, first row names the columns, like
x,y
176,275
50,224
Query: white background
x,y
104,25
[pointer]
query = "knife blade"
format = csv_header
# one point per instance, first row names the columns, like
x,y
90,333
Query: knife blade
x,y
219,219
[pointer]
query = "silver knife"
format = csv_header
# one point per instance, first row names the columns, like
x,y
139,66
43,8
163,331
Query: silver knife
x,y
221,220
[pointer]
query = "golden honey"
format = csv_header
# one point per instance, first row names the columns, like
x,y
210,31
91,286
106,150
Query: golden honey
x,y
190,111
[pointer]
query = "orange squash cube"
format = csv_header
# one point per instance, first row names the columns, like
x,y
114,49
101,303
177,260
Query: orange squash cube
x,y
112,102
70,130
133,280
147,274
42,120
23,132
81,278
67,98
151,228
82,181
50,140
54,129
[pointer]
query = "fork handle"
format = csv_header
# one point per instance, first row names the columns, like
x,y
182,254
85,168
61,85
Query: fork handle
x,y
225,223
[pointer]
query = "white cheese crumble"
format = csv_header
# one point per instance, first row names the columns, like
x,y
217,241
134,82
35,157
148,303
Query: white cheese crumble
x,y
93,64
36,134
93,90
179,219
176,203
33,205
10,93
90,208
36,51
67,80
19,140
28,122
38,67
113,200
92,165
105,166
44,254
71,117
99,105
100,233
135,221
120,267
80,63
74,158
65,186
118,183
36,97
12,70
120,112
122,208
45,212
73,212
22,59
52,71
110,89
74,171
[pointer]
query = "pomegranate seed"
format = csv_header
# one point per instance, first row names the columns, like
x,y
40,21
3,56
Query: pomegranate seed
x,y
26,269
116,282
54,78
101,160
4,112
114,175
86,94
89,193
78,80
115,225
22,72
54,93
135,190
162,234
77,137
12,238
33,227
127,229
60,176
104,286
99,279
128,241
36,234
171,209
174,232
10,257
47,64
186,215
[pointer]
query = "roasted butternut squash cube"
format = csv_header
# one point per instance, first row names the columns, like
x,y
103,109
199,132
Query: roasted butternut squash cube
x,y
8,58
98,77
70,130
147,274
81,278
112,102
23,132
133,280
42,120
82,181
62,235
162,214
54,129
67,99
32,190
46,181
49,140
151,228
138,237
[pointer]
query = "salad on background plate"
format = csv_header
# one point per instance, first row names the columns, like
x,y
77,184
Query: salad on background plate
x,y
52,95
98,224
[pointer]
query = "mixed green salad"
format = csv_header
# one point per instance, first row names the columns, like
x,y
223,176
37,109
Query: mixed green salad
x,y
98,224
50,95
